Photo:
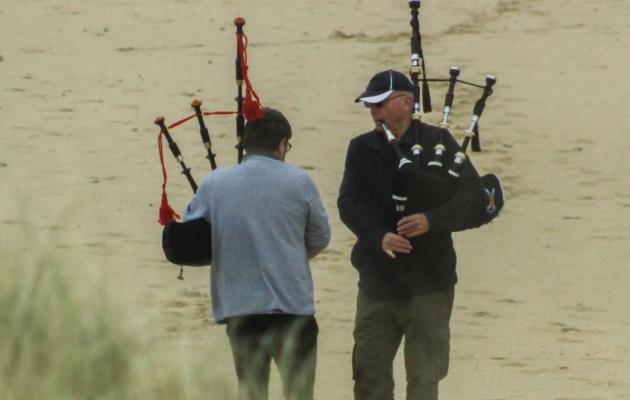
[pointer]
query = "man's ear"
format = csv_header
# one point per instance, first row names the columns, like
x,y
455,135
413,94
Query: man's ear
x,y
281,146
409,101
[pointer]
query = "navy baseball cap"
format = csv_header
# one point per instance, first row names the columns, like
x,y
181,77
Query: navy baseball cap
x,y
384,84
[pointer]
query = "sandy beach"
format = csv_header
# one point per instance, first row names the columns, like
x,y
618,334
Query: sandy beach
x,y
541,304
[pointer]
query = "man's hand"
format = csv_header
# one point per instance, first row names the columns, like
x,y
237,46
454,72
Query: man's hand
x,y
393,243
413,225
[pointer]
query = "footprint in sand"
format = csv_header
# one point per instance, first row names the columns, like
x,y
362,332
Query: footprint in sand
x,y
569,340
475,323
470,336
515,364
156,286
582,308
192,293
202,310
583,141
97,179
177,304
507,300
597,182
485,314
564,327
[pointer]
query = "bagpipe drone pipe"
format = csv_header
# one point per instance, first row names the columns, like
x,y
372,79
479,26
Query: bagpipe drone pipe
x,y
426,181
190,243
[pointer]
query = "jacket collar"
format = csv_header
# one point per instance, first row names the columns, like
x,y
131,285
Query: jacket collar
x,y
407,138
376,139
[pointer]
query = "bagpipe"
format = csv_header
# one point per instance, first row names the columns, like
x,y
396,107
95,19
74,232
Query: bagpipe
x,y
190,243
423,183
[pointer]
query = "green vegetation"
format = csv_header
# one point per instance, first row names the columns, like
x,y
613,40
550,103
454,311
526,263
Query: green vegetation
x,y
57,343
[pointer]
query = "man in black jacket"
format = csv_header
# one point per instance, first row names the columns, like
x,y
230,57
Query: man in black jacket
x,y
406,265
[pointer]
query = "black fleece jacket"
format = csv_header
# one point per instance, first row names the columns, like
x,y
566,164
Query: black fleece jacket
x,y
366,207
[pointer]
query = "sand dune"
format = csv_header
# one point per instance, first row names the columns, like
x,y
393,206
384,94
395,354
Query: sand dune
x,y
541,307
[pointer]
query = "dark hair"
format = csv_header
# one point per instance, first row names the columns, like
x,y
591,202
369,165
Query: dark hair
x,y
267,132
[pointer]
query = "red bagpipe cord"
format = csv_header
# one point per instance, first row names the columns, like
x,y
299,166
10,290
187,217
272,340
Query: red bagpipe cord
x,y
252,108
167,213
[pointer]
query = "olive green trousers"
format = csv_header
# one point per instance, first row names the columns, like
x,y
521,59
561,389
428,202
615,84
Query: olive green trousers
x,y
380,327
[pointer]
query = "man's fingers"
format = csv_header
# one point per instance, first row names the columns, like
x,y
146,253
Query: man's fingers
x,y
406,230
409,223
390,253
400,246
411,231
412,225
413,234
400,243
393,243
407,219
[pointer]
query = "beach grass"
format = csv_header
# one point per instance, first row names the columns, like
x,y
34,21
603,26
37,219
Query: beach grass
x,y
59,342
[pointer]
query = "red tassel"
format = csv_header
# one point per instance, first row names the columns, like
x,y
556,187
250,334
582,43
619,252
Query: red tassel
x,y
167,213
252,108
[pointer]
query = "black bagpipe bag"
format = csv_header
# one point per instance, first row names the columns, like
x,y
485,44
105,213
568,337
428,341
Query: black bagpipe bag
x,y
188,243
442,190
494,191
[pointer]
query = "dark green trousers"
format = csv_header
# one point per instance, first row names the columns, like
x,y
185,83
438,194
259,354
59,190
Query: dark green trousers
x,y
289,340
380,327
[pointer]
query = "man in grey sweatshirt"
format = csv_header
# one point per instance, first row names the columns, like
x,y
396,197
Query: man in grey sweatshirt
x,y
267,221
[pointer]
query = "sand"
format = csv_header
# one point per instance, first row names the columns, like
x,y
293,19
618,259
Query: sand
x,y
541,306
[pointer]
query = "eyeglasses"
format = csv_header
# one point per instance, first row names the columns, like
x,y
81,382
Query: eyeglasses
x,y
289,145
381,103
